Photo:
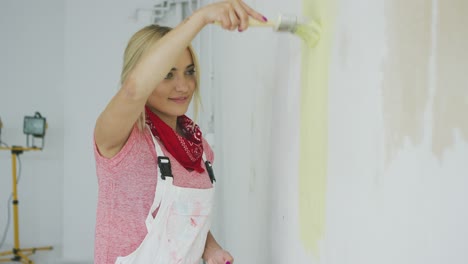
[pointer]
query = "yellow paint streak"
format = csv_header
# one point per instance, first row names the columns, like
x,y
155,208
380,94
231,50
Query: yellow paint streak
x,y
309,32
314,128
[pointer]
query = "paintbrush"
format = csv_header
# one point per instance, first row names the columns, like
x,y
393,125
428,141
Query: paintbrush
x,y
309,31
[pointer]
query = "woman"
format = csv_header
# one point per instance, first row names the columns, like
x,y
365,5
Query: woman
x,y
153,166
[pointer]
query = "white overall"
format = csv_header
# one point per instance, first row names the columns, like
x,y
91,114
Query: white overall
x,y
178,232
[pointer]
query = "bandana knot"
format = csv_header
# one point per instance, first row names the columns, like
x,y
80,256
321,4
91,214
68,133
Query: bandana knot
x,y
187,149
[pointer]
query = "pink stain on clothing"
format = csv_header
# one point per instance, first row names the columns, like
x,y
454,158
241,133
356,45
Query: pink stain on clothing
x,y
197,208
192,222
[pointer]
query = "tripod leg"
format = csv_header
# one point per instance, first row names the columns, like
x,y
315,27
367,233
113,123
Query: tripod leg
x,y
24,259
15,200
6,253
16,253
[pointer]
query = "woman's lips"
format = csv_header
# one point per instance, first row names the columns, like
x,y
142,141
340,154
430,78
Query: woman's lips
x,y
179,100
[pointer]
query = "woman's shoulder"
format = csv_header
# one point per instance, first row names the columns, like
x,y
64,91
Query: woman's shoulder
x,y
137,138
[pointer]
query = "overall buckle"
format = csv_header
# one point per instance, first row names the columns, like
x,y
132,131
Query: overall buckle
x,y
164,164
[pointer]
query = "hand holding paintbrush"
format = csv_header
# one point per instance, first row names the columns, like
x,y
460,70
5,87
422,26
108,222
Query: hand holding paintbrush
x,y
308,31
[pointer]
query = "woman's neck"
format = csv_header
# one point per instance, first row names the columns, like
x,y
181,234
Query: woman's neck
x,y
171,121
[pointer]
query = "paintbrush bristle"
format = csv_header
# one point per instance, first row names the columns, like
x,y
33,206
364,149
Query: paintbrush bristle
x,y
309,32
286,23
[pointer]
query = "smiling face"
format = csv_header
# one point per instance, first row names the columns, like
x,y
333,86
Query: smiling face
x,y
172,96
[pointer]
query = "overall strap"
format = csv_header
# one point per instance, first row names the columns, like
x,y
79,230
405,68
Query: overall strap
x,y
161,186
165,168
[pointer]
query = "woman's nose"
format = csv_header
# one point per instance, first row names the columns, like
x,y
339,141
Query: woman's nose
x,y
181,84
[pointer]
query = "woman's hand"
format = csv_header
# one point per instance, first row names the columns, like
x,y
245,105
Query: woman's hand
x,y
219,256
230,14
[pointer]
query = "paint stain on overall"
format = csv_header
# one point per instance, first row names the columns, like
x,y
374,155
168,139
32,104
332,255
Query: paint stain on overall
x,y
451,95
405,90
314,128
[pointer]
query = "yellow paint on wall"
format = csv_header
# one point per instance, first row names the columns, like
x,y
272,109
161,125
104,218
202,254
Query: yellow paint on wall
x,y
314,127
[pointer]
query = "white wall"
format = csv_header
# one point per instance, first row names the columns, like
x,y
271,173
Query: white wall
x,y
256,75
31,70
393,195
397,174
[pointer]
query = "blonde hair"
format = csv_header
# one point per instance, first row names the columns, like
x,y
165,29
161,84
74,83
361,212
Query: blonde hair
x,y
138,45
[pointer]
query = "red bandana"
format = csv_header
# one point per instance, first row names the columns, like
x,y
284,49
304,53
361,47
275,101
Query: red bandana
x,y
189,150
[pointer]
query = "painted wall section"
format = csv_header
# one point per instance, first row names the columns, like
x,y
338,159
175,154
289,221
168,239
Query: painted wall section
x,y
395,67
406,72
314,129
451,95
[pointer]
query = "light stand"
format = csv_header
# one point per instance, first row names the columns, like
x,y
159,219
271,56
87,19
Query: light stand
x,y
19,254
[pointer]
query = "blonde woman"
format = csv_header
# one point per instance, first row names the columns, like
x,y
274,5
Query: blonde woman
x,y
153,165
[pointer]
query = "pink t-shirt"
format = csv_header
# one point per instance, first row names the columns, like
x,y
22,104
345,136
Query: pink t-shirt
x,y
127,183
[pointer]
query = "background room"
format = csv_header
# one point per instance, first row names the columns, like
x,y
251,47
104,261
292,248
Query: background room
x,y
351,152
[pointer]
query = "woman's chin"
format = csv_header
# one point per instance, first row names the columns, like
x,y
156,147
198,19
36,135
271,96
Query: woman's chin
x,y
179,112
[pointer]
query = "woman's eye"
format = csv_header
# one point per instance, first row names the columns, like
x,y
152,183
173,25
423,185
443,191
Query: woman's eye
x,y
191,72
169,76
